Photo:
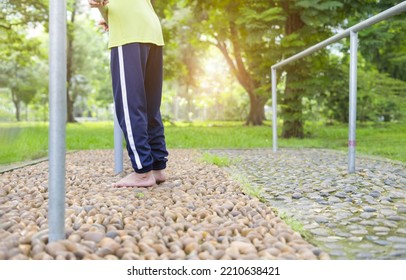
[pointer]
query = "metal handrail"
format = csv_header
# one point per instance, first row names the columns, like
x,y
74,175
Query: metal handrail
x,y
353,33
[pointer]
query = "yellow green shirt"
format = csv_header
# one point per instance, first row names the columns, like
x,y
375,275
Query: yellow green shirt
x,y
133,21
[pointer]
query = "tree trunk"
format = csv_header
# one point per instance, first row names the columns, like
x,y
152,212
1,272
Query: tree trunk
x,y
292,101
17,105
235,61
256,115
70,117
292,111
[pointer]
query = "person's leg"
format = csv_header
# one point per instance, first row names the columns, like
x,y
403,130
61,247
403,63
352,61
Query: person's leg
x,y
153,88
128,66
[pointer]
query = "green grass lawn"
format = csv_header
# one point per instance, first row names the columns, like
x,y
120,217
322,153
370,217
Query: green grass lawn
x,y
27,141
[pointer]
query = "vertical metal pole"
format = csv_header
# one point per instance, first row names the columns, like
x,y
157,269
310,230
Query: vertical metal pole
x,y
353,101
57,119
274,112
118,147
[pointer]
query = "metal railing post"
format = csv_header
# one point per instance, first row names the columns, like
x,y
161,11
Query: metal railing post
x,y
118,147
57,119
274,112
352,101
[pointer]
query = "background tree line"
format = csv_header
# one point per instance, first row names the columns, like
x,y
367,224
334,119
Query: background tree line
x,y
218,56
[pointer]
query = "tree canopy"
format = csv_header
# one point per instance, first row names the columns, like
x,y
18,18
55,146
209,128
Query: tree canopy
x,y
218,55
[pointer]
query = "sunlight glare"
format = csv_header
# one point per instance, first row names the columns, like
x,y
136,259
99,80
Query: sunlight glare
x,y
216,71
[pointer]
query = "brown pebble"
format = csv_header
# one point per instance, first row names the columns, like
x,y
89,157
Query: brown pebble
x,y
191,248
80,253
110,244
217,220
102,252
205,256
265,255
54,247
308,255
42,256
37,248
92,257
274,251
25,249
64,255
74,237
218,254
226,257
192,256
151,256
130,256
90,245
26,238
93,236
178,255
207,246
178,227
19,257
41,236
122,251
111,257
159,248
228,205
70,245
243,247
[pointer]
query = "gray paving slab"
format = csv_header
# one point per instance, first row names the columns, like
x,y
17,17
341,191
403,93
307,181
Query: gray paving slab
x,y
363,213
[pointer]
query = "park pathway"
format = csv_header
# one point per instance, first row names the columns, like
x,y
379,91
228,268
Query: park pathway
x,y
202,211
349,216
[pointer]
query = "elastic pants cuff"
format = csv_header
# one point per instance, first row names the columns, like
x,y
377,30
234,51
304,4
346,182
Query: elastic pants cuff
x,y
143,170
159,165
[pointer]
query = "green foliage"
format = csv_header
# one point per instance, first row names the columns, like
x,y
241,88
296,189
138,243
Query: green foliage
x,y
249,188
243,33
21,56
383,44
294,224
90,78
23,77
379,97
216,160
318,12
24,58
22,12
140,195
15,18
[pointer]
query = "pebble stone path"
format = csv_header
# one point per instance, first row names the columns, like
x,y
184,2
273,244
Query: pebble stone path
x,y
199,213
349,216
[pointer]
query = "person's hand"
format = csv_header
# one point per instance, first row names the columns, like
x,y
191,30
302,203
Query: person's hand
x,y
104,25
97,4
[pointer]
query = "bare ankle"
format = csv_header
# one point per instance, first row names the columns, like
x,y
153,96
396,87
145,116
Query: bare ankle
x,y
160,176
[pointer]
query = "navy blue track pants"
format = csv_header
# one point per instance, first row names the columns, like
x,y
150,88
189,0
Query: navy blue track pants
x,y
137,72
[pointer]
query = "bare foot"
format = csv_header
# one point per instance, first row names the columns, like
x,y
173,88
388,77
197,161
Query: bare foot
x,y
159,175
135,180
